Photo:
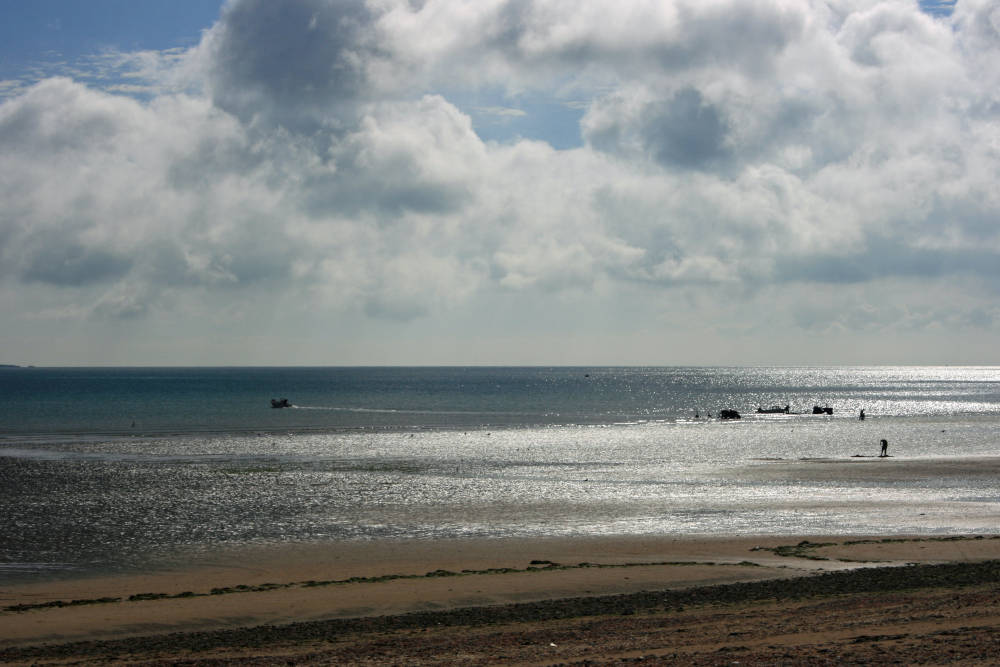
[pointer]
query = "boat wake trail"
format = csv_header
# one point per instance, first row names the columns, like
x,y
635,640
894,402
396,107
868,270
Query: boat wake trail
x,y
343,409
394,411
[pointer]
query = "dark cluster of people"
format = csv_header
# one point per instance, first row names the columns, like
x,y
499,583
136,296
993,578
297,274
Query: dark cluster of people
x,y
732,414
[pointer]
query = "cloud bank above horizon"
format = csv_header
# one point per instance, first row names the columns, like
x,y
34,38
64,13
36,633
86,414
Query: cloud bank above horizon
x,y
325,181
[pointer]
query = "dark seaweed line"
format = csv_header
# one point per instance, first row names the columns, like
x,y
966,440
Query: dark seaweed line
x,y
805,548
536,566
873,580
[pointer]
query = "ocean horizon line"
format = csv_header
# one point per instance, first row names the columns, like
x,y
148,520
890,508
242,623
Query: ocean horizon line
x,y
502,365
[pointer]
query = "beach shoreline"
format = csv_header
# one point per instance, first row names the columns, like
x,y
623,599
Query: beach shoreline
x,y
285,586
563,599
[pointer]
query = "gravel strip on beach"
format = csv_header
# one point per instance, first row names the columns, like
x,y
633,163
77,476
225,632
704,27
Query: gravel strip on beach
x,y
210,647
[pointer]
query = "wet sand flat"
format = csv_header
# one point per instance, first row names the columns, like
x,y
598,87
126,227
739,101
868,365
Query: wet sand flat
x,y
283,584
216,608
876,468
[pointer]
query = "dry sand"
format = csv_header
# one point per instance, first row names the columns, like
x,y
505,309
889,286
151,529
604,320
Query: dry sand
x,y
491,601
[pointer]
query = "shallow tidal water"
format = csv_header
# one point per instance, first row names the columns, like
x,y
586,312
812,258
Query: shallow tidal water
x,y
92,501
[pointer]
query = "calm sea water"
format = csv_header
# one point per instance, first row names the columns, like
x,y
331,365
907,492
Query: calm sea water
x,y
112,469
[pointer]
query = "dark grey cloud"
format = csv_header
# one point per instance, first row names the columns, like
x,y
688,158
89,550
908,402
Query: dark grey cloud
x,y
746,36
685,131
297,64
53,259
386,194
884,257
682,130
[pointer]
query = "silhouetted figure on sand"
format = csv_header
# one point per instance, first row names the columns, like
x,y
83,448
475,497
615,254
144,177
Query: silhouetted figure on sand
x,y
885,447
861,416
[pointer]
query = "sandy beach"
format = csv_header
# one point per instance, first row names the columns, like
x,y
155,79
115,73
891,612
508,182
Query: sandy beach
x,y
407,602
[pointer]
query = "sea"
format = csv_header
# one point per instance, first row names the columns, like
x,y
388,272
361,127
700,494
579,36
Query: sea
x,y
106,470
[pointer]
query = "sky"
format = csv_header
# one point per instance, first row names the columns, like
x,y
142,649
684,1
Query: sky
x,y
537,182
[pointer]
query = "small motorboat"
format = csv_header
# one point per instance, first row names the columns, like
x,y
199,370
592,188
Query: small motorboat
x,y
773,410
280,403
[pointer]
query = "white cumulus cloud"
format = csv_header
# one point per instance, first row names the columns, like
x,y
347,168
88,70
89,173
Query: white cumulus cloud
x,y
312,171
